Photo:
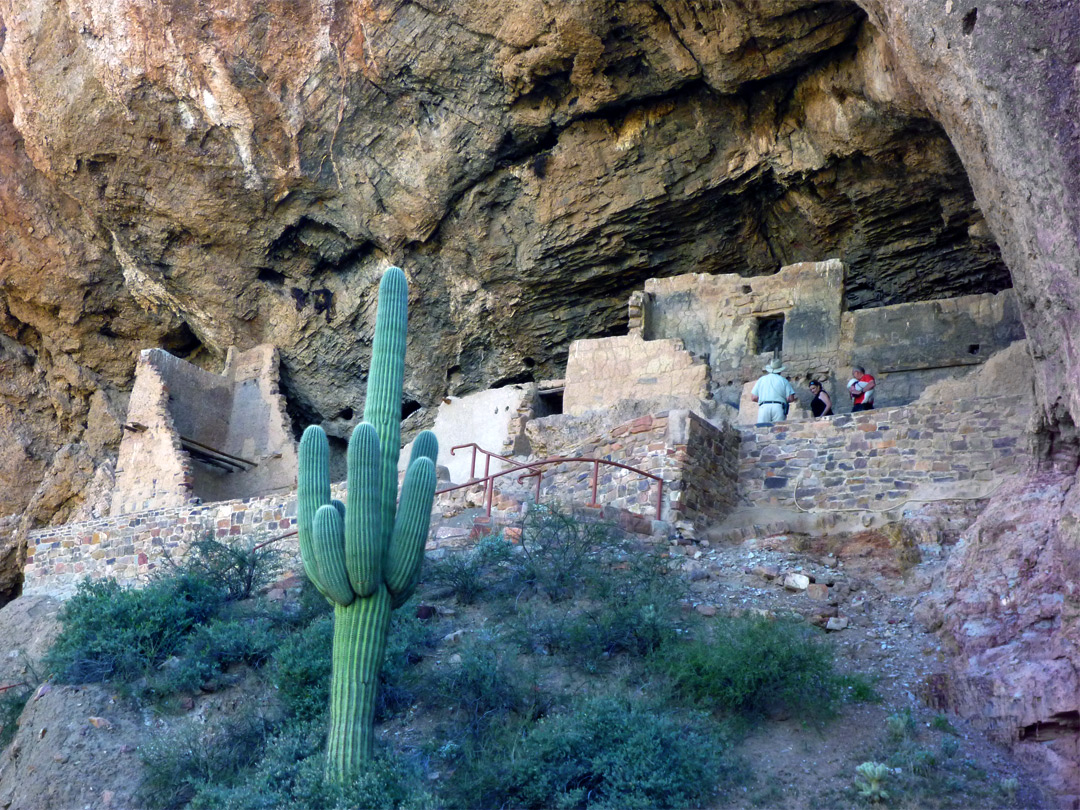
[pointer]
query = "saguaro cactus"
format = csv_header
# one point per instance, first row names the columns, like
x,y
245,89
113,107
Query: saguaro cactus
x,y
365,557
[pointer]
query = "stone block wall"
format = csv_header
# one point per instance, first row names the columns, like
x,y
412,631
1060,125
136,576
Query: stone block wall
x,y
129,547
152,469
697,461
877,459
908,347
601,372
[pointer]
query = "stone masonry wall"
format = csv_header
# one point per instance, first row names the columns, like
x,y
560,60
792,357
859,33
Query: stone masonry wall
x,y
176,409
697,460
152,469
877,459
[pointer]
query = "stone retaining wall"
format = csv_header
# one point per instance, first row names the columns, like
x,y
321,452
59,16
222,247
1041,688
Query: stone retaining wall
x,y
696,460
877,459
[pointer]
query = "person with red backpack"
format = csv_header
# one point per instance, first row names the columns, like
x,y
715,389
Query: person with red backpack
x,y
861,388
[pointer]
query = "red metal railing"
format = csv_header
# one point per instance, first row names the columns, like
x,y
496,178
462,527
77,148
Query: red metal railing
x,y
533,469
536,468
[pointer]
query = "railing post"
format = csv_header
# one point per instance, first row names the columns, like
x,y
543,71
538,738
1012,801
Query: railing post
x,y
595,480
539,478
490,489
659,498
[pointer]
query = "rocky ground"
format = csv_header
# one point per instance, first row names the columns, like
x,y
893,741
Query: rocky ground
x,y
79,747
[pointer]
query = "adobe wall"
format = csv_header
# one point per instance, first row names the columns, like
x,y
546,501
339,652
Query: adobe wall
x,y
603,371
877,459
716,316
176,406
152,470
908,347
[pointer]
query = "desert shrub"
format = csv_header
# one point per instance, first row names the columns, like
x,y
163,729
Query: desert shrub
x,y
753,667
558,552
290,775
236,571
628,603
302,670
210,648
109,632
607,753
472,573
179,763
486,686
409,642
12,703
633,608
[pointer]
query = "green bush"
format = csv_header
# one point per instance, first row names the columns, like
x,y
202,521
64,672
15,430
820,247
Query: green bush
x,y
236,571
121,634
472,573
754,667
558,552
182,761
409,642
607,753
302,670
486,686
210,649
628,604
290,775
12,703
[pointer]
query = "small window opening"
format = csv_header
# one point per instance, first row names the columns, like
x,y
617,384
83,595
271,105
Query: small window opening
x,y
770,334
973,348
549,403
409,407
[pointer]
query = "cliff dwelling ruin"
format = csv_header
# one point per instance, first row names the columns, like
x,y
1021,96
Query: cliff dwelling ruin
x,y
611,214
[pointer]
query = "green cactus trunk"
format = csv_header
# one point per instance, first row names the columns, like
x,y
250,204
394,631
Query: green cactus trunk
x,y
360,631
365,557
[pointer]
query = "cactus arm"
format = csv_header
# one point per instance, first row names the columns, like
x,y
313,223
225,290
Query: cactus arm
x,y
363,535
401,569
329,549
382,408
425,445
313,491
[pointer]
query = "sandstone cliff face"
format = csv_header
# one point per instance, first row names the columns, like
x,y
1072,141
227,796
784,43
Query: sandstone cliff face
x,y
194,175
242,173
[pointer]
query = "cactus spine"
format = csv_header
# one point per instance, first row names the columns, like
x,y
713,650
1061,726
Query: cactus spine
x,y
365,557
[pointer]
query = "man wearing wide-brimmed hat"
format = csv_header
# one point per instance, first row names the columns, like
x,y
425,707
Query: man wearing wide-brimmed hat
x,y
771,392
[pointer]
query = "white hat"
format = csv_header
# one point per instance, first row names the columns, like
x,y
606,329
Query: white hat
x,y
774,367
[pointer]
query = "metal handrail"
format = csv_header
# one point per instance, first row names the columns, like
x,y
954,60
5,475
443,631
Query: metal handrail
x,y
488,455
535,468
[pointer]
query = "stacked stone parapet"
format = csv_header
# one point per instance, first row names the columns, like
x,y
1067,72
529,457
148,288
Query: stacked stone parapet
x,y
882,458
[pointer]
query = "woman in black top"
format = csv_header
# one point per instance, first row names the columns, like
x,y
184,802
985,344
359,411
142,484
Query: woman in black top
x,y
821,404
